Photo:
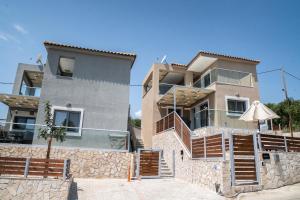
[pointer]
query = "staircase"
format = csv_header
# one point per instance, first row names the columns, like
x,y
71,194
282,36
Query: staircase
x,y
165,171
139,144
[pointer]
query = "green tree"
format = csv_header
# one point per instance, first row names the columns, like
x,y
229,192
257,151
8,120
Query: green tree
x,y
136,122
282,109
50,131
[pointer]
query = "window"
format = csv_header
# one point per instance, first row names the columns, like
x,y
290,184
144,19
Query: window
x,y
205,80
24,123
178,111
70,119
236,106
66,66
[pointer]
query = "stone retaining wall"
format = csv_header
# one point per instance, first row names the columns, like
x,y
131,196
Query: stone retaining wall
x,y
85,163
206,173
282,169
33,189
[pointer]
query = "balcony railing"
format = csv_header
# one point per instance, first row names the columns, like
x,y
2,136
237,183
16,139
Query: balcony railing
x,y
164,88
89,138
219,118
226,76
30,91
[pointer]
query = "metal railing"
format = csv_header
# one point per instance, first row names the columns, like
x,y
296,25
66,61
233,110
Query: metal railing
x,y
80,137
30,91
219,118
164,88
227,76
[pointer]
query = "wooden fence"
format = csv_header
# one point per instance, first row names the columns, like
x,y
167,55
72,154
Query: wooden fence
x,y
209,146
278,143
34,167
217,145
149,163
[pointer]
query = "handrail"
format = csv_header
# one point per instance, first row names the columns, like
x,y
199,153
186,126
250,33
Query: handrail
x,y
190,131
164,116
66,127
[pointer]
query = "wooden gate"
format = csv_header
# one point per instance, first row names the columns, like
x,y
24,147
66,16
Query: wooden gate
x,y
244,159
149,163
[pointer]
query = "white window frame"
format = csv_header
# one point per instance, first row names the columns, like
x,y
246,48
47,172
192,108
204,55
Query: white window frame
x,y
246,99
19,115
62,108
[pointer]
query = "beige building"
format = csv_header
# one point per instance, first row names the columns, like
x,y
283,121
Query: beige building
x,y
211,91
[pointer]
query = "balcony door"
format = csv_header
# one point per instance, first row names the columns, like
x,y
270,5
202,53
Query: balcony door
x,y
200,115
204,114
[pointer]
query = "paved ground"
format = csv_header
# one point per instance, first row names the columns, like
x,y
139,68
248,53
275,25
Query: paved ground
x,y
291,192
147,189
165,189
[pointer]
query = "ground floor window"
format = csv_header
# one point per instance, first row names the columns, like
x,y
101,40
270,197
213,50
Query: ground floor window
x,y
23,123
71,119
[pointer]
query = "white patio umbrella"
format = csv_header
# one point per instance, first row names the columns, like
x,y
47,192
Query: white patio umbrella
x,y
257,112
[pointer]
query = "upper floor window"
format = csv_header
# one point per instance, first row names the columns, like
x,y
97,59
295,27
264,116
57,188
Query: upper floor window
x,y
236,106
71,119
205,80
66,66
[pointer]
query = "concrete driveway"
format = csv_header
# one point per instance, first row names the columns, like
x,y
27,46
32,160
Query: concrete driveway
x,y
291,192
146,189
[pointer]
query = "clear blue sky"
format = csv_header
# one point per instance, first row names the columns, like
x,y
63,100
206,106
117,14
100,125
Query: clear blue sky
x,y
264,30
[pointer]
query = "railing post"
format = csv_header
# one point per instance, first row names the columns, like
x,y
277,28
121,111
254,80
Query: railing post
x,y
232,168
138,163
223,146
285,144
257,164
26,171
163,120
204,143
259,142
65,169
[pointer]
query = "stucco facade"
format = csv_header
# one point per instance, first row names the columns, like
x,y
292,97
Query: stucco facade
x,y
188,76
98,88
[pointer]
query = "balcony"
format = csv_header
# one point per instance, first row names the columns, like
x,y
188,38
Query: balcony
x,y
23,133
24,94
225,76
30,91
